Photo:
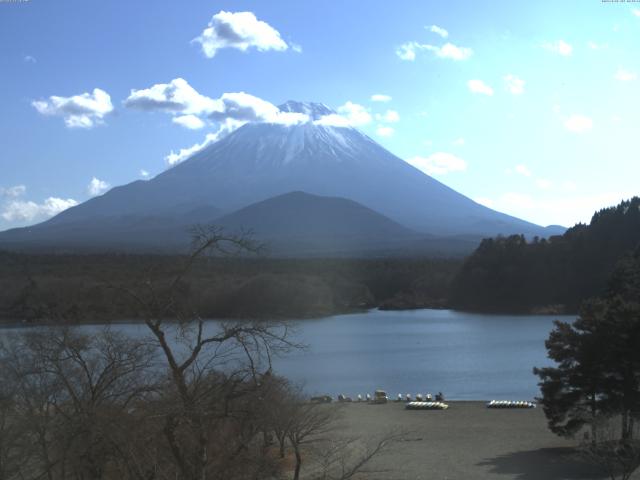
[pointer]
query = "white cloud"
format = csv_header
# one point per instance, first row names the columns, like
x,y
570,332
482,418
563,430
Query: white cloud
x,y
478,86
189,121
20,211
379,97
244,107
296,48
355,113
578,123
177,97
190,107
596,46
625,75
449,50
240,30
487,202
560,47
79,111
514,84
636,12
459,141
29,59
522,170
390,116
544,184
438,163
349,115
144,173
97,187
227,127
408,51
178,157
384,131
438,31
13,192
332,120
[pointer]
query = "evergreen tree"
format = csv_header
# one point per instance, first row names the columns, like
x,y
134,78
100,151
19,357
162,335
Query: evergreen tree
x,y
598,360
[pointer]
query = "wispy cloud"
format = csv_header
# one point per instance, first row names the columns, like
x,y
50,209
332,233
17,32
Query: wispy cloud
x,y
625,75
578,123
181,155
478,86
349,115
390,116
438,31
13,192
384,131
522,170
439,163
450,51
379,97
514,84
559,47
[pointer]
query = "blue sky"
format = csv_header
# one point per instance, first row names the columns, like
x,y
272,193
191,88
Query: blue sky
x,y
531,108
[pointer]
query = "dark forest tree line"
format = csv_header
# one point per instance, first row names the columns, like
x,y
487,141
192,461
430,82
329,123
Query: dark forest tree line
x,y
516,275
236,287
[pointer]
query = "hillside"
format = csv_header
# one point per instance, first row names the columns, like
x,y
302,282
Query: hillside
x,y
516,275
259,161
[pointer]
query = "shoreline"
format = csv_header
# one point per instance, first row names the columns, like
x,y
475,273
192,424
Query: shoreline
x,y
7,324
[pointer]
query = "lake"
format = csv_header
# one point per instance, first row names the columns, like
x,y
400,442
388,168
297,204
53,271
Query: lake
x,y
467,356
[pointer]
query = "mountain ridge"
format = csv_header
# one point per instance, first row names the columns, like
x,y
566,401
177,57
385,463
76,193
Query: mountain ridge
x,y
259,161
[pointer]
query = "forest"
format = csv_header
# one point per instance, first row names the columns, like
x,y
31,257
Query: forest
x,y
87,288
512,274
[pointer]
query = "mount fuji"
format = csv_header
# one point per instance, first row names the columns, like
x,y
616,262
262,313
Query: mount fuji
x,y
320,157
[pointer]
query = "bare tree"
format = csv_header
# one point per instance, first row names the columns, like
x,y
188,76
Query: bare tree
x,y
72,392
309,423
211,368
346,458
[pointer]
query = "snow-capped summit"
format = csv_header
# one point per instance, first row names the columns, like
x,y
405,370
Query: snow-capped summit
x,y
315,111
259,161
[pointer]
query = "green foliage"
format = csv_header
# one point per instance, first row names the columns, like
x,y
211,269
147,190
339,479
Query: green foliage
x,y
512,274
598,359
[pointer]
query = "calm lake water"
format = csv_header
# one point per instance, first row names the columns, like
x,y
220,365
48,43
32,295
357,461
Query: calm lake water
x,y
467,356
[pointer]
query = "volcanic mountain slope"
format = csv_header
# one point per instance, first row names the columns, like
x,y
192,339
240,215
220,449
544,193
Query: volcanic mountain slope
x,y
259,161
298,223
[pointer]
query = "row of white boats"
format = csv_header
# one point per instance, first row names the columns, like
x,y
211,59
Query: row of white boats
x,y
510,404
421,402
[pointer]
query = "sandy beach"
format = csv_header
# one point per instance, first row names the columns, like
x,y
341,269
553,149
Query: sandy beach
x,y
468,441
